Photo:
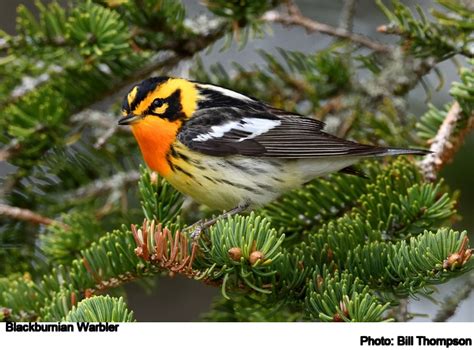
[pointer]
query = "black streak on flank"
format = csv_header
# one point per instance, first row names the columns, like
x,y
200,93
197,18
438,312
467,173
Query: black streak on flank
x,y
277,179
243,187
210,179
168,160
266,187
178,168
197,164
179,155
240,167
246,170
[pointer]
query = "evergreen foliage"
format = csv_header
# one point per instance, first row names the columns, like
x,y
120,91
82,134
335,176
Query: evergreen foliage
x,y
341,248
100,309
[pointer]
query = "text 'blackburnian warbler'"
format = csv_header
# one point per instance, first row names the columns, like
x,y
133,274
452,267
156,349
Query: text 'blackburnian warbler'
x,y
231,151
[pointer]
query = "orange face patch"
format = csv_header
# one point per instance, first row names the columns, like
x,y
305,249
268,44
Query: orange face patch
x,y
155,136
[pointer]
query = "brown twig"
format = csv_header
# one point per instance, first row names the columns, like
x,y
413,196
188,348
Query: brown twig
x,y
459,258
28,215
445,144
400,313
346,20
102,186
9,150
450,305
114,282
294,17
106,136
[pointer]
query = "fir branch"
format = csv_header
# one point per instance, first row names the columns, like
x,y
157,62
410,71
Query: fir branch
x,y
101,141
9,150
452,302
294,17
159,200
166,60
62,245
103,186
28,215
100,309
405,267
347,16
446,143
156,245
342,297
444,37
460,257
104,124
400,313
103,285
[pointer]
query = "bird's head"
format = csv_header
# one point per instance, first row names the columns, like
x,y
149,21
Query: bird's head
x,y
155,109
169,99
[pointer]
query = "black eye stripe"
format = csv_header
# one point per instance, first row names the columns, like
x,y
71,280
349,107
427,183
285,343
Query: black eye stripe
x,y
175,109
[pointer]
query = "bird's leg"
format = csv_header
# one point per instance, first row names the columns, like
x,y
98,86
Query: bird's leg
x,y
202,225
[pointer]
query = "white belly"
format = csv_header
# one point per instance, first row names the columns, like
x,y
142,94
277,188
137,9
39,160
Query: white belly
x,y
225,183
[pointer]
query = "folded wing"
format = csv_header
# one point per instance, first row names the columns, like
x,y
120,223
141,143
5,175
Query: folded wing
x,y
232,131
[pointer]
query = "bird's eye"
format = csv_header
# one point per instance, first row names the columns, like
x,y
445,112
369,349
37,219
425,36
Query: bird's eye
x,y
157,102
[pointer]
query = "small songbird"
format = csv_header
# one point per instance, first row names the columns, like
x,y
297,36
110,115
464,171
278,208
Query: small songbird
x,y
231,151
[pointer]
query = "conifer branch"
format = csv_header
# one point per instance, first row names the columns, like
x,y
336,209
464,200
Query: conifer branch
x,y
446,142
166,60
158,246
451,303
106,136
113,282
9,150
400,313
102,186
295,18
100,309
347,16
27,215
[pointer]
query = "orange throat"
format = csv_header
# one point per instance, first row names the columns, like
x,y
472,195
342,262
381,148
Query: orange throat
x,y
155,137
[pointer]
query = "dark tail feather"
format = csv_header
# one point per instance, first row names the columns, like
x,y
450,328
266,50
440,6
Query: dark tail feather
x,y
400,151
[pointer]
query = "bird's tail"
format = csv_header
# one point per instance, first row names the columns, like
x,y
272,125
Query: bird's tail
x,y
400,151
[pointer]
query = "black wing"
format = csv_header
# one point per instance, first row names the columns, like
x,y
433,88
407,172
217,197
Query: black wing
x,y
226,131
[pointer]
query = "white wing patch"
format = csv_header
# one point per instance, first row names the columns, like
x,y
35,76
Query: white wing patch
x,y
254,126
216,131
226,92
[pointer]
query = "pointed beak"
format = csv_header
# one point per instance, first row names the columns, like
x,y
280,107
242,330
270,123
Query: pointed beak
x,y
129,119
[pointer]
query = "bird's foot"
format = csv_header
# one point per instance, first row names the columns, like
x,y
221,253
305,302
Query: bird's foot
x,y
197,231
201,225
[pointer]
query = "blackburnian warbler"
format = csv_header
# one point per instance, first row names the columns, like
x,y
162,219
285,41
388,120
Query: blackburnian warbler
x,y
230,151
